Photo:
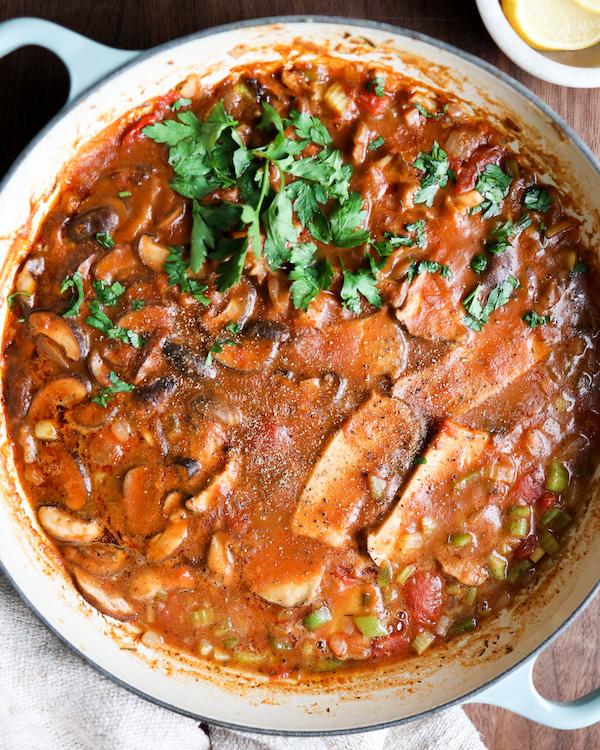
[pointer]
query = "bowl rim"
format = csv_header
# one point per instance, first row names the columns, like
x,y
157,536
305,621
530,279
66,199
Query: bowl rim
x,y
359,23
529,59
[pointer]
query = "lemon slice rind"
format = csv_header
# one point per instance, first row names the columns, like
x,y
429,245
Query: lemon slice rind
x,y
553,24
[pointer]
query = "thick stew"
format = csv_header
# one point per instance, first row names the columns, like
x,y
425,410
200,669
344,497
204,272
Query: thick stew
x,y
301,370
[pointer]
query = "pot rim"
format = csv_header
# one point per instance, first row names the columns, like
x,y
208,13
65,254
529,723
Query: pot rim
x,y
369,24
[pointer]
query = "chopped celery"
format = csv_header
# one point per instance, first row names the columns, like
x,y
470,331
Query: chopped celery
x,y
497,565
460,540
201,617
454,589
562,520
519,527
161,595
460,484
371,626
328,664
422,641
470,595
549,543
279,645
547,517
405,574
519,511
317,618
223,627
537,554
557,476
247,657
518,569
230,642
462,626
384,575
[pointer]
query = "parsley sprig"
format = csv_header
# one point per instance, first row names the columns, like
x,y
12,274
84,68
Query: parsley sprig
x,y
537,198
479,314
493,185
106,394
100,320
418,267
437,171
504,233
75,282
534,319
108,294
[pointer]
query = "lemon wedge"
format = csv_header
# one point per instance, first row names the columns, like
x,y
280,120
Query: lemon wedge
x,y
554,24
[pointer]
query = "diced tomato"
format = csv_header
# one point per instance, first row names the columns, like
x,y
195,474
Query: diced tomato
x,y
424,594
526,547
280,673
393,645
467,176
373,104
529,488
546,501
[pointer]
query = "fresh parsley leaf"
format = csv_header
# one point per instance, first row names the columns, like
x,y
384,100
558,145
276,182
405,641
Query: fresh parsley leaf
x,y
105,240
232,254
76,281
493,185
138,304
179,103
419,460
107,293
176,267
11,297
579,267
309,128
377,86
437,173
419,228
217,348
344,220
124,194
418,267
308,276
280,229
537,198
306,197
391,240
376,143
533,319
503,233
233,327
479,263
202,238
479,314
106,394
355,284
99,320
425,113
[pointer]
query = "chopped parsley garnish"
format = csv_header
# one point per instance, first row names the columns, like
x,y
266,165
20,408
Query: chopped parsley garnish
x,y
217,348
308,276
75,281
418,267
493,185
376,143
179,103
176,268
537,198
391,240
419,461
361,282
106,394
99,320
479,314
308,128
425,113
377,86
579,267
437,173
506,232
479,263
107,293
233,327
124,194
533,319
137,305
11,297
105,240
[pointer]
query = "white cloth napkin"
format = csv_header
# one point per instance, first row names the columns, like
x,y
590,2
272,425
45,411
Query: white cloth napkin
x,y
52,700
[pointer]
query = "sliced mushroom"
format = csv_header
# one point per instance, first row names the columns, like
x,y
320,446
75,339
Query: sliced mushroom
x,y
156,393
238,309
67,475
220,486
187,361
18,387
66,527
147,582
63,332
90,416
220,559
99,368
119,264
143,490
213,408
151,357
106,599
163,545
469,569
191,466
150,319
97,558
62,392
88,224
151,253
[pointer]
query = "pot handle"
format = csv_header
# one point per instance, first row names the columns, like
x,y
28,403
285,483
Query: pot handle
x,y
516,692
86,60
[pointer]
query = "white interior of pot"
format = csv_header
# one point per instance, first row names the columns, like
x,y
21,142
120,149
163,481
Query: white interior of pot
x,y
426,682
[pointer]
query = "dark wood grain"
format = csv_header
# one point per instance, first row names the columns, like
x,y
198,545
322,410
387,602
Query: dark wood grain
x,y
34,85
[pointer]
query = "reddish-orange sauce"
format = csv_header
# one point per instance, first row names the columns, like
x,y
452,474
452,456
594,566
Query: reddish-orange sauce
x,y
270,461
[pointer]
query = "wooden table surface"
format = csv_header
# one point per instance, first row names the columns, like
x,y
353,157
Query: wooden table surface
x,y
34,84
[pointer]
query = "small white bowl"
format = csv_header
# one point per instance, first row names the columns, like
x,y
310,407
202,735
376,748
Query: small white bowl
x,y
578,69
